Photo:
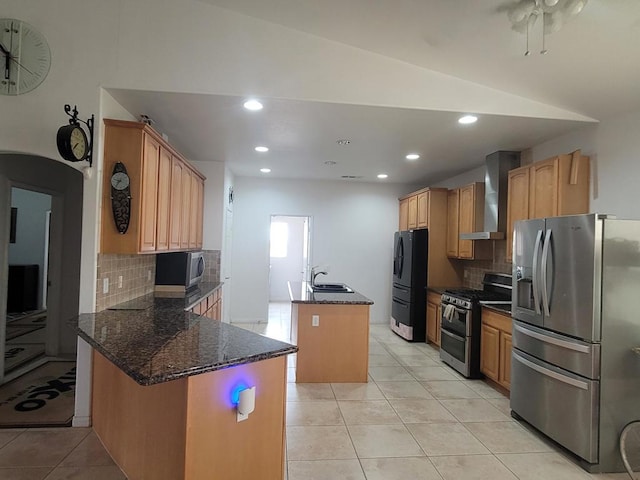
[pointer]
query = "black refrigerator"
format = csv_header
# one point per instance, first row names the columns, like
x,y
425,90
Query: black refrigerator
x,y
409,290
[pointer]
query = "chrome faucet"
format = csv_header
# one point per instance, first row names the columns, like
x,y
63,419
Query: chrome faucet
x,y
314,274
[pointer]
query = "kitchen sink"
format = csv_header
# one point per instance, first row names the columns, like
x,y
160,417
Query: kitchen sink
x,y
330,288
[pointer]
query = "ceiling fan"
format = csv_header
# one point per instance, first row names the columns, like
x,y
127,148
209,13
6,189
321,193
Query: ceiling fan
x,y
523,15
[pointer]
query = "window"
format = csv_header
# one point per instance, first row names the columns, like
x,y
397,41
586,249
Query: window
x,y
279,239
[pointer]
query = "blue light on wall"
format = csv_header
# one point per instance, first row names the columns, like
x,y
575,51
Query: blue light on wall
x,y
235,392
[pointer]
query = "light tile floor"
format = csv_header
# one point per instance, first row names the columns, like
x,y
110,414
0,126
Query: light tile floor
x,y
415,419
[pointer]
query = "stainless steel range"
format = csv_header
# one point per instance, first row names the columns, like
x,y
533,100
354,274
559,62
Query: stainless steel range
x,y
460,325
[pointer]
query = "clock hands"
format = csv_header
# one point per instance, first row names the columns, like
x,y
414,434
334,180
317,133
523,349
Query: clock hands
x,y
7,61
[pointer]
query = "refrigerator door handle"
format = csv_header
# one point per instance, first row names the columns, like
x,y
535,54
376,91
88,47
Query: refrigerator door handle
x,y
553,341
550,373
543,273
535,280
400,256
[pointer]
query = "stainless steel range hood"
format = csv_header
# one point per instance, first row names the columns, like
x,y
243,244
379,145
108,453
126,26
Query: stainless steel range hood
x,y
495,197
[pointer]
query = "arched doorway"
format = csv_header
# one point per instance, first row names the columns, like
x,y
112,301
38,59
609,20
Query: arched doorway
x,y
63,185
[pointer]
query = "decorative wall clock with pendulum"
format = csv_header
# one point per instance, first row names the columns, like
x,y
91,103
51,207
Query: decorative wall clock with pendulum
x,y
121,197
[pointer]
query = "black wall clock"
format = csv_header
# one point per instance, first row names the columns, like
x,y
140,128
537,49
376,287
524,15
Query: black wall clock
x,y
121,197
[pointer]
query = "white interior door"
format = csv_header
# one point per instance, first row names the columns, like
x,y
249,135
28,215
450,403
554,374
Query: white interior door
x,y
288,254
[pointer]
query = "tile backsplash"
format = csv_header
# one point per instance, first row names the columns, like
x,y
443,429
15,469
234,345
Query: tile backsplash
x,y
474,270
138,274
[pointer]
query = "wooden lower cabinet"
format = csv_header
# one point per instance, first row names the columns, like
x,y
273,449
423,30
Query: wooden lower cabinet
x,y
495,347
336,349
186,429
211,306
433,317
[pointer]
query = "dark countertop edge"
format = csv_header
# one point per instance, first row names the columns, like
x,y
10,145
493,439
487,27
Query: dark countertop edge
x,y
506,313
334,302
153,380
439,290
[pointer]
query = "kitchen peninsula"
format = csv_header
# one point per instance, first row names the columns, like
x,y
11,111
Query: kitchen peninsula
x,y
165,385
331,330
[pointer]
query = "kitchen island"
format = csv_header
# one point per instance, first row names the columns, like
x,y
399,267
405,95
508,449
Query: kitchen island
x,y
165,384
331,331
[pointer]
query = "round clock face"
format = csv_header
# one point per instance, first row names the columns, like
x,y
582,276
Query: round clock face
x,y
78,143
120,180
25,59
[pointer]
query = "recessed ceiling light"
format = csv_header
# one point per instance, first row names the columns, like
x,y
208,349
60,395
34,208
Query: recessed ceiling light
x,y
412,156
265,170
253,105
262,149
383,175
467,119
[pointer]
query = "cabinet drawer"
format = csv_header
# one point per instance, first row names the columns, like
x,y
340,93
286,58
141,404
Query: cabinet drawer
x,y
496,320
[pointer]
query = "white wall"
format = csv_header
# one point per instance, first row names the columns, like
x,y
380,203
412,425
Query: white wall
x,y
30,231
352,227
214,203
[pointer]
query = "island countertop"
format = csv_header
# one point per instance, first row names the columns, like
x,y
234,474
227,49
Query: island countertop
x,y
154,339
300,293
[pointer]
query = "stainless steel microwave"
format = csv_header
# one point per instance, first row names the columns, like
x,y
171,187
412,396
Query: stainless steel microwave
x,y
181,269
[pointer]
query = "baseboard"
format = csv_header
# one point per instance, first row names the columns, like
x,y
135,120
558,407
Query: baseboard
x,y
81,421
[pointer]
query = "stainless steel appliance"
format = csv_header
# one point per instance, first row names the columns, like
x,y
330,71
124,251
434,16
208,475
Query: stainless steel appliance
x,y
461,325
574,375
409,291
180,269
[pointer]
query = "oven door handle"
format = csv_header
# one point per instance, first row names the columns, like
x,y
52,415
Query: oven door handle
x,y
459,310
449,334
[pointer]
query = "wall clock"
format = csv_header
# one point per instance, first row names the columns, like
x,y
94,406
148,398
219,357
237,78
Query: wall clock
x,y
26,58
121,197
73,144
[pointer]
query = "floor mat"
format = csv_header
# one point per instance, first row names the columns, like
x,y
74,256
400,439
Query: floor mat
x,y
37,319
43,397
17,354
14,331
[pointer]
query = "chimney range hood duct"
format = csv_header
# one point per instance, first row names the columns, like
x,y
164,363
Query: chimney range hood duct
x,y
495,198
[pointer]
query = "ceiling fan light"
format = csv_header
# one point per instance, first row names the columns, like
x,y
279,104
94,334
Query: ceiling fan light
x,y
553,22
574,7
521,11
551,3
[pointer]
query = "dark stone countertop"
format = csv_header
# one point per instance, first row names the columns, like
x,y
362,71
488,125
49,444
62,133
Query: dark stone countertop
x,y
164,342
502,308
439,290
299,293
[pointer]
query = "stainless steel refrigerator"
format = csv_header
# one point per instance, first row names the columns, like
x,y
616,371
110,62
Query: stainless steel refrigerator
x,y
576,292
409,291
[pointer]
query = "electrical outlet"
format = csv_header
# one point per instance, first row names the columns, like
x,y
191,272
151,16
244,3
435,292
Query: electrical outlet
x,y
315,320
148,275
119,281
105,285
466,274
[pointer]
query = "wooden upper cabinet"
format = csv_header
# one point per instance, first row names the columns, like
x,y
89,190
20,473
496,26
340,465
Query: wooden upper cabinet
x,y
412,220
200,210
164,200
186,208
517,202
149,198
403,224
194,211
471,217
453,237
175,218
543,178
157,185
423,210
549,188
